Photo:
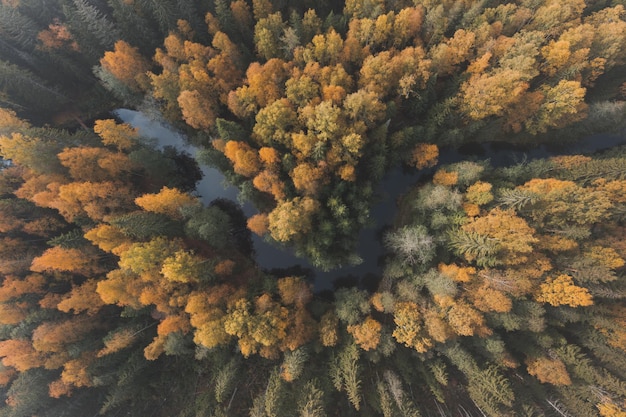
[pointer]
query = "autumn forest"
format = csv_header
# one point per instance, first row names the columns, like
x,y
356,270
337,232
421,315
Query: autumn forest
x,y
501,290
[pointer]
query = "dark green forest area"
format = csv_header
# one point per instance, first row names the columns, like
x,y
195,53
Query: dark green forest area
x,y
123,294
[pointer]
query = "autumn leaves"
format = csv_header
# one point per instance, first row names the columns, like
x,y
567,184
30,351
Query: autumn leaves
x,y
514,253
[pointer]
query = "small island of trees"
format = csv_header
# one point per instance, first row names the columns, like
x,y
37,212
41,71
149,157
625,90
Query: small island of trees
x,y
502,287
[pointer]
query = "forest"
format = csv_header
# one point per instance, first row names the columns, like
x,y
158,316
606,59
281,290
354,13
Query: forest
x,y
501,288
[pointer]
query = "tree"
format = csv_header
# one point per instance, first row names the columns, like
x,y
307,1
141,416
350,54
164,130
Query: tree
x,y
563,104
35,153
274,123
95,200
311,402
364,106
466,321
412,244
245,159
326,48
259,224
491,94
345,374
562,291
562,203
82,298
10,120
367,333
293,364
307,178
301,89
198,111
267,82
23,89
509,232
408,327
20,354
292,218
328,329
267,35
445,178
370,9
94,164
208,315
548,370
242,15
108,238
145,257
294,291
122,136
127,65
183,266
18,27
261,9
168,201
88,20
69,260
488,299
212,224
446,56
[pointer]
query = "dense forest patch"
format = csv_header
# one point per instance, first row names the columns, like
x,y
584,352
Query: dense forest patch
x,y
502,291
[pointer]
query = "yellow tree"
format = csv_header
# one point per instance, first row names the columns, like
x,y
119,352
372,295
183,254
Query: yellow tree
x,y
96,200
367,333
447,55
82,299
122,136
307,178
198,111
127,65
424,155
245,159
270,157
269,182
294,291
490,94
563,104
465,320
479,193
68,260
9,120
183,266
20,354
108,238
274,122
562,291
207,311
292,218
488,299
548,370
117,340
168,201
409,325
94,164
258,224
562,203
511,233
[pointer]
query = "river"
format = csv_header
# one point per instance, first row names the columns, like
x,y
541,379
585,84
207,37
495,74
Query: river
x,y
394,184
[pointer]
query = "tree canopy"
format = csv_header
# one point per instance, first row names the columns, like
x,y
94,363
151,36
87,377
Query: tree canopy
x,y
501,291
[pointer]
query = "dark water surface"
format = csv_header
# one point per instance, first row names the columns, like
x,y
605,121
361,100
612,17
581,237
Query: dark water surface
x,y
394,184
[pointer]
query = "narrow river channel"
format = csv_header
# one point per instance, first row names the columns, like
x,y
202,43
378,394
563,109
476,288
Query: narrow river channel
x,y
394,184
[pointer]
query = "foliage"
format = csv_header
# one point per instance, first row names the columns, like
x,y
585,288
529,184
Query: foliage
x,y
502,292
